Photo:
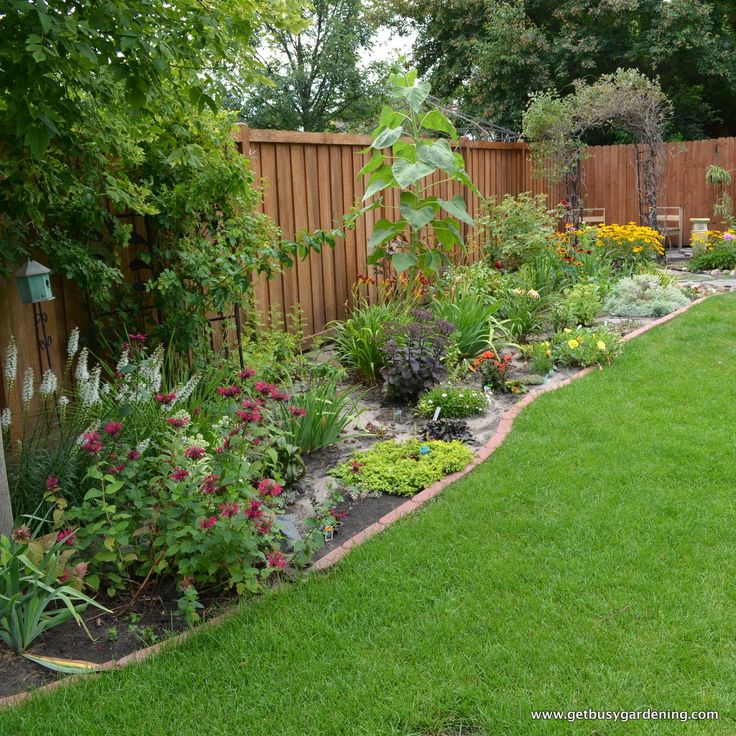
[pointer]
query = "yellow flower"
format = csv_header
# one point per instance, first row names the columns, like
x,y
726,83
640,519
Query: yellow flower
x,y
572,344
567,329
601,345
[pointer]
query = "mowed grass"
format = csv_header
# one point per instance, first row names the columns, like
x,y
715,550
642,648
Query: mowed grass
x,y
589,563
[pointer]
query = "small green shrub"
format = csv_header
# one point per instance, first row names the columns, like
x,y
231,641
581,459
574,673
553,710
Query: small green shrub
x,y
479,279
539,354
522,311
719,252
400,468
644,296
584,346
579,305
359,340
454,402
516,229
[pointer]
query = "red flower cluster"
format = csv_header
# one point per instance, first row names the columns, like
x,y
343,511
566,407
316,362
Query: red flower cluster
x,y
91,443
113,428
194,453
297,411
207,523
276,559
115,469
228,509
179,474
166,399
247,373
133,454
228,390
209,485
67,536
254,509
52,483
269,389
22,534
269,487
178,422
501,364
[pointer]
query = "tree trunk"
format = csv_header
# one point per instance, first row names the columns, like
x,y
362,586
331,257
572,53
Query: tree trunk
x,y
6,509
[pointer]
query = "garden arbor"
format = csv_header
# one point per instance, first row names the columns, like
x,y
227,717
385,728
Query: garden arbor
x,y
628,101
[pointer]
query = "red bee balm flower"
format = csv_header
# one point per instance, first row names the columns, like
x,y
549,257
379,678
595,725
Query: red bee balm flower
x,y
178,422
254,510
209,486
133,454
194,453
67,536
207,523
91,443
276,559
113,428
297,411
247,373
229,509
165,398
52,483
179,475
269,487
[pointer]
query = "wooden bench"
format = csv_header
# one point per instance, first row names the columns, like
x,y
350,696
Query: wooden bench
x,y
594,216
670,223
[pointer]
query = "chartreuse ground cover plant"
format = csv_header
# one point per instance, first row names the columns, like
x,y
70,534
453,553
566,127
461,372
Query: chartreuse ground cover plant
x,y
402,468
588,563
453,402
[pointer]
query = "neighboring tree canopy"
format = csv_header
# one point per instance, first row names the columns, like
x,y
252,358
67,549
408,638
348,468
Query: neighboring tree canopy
x,y
313,80
491,55
110,108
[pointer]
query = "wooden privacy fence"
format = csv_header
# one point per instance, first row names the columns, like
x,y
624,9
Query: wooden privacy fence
x,y
309,181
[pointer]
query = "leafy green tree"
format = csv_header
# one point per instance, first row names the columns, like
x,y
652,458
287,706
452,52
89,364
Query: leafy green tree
x,y
492,55
108,109
313,79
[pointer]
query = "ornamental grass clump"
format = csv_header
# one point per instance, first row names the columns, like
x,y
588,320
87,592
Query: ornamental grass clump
x,y
402,468
718,251
453,402
644,295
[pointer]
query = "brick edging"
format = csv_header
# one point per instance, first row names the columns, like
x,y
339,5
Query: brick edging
x,y
331,558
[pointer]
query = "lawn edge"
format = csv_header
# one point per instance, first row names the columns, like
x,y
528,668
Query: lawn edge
x,y
504,428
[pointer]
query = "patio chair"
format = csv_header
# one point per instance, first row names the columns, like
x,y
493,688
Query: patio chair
x,y
594,216
670,222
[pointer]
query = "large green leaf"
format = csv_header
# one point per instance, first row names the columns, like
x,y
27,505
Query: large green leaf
x,y
373,163
407,173
387,137
446,233
379,180
403,261
417,213
456,207
414,93
437,154
384,230
435,120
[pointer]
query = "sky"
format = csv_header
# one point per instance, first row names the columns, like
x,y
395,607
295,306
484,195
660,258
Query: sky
x,y
387,44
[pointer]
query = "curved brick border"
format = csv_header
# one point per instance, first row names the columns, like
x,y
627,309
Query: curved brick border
x,y
496,440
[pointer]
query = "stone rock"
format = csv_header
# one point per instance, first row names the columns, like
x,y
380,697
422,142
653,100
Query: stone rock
x,y
715,272
732,273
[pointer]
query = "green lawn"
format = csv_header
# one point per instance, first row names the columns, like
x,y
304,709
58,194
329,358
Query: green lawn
x,y
590,563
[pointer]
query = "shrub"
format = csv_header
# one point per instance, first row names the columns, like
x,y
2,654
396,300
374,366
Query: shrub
x,y
644,296
360,339
478,279
540,356
719,252
414,355
402,468
516,229
453,401
492,369
579,305
584,346
317,417
628,246
192,497
475,325
447,430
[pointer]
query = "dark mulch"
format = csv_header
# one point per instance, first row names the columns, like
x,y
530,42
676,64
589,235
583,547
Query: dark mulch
x,y
150,619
